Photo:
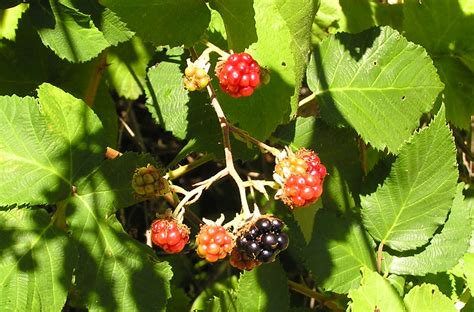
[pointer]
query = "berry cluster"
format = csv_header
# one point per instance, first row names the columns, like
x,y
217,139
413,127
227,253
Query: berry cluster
x,y
239,75
214,242
263,240
195,78
170,235
302,176
148,182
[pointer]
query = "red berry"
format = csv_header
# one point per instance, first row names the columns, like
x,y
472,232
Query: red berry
x,y
239,75
301,175
214,242
170,235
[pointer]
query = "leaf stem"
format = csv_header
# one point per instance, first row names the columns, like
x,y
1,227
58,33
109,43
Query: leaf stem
x,y
182,170
216,49
380,256
248,137
302,289
307,99
94,82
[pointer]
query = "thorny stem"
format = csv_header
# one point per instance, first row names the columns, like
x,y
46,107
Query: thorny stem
x,y
380,256
228,150
246,136
313,294
307,99
182,170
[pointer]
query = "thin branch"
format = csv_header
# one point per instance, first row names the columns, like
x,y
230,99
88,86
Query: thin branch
x,y
182,170
248,137
228,150
302,289
216,49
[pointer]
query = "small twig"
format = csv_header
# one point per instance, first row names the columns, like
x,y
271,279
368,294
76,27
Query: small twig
x,y
181,170
248,137
380,257
307,99
216,49
251,183
313,294
193,195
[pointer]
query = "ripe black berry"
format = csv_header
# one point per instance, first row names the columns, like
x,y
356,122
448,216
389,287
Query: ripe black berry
x,y
263,240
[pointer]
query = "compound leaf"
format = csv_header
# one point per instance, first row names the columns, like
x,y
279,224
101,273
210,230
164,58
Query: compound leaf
x,y
414,200
376,81
445,249
36,262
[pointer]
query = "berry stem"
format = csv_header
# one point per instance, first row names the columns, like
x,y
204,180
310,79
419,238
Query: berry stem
x,y
248,137
182,170
228,150
251,183
307,99
214,48
302,289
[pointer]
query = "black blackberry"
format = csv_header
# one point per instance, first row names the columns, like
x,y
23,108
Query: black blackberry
x,y
263,240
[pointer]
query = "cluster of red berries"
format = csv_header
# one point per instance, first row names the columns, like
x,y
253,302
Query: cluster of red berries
x,y
170,235
239,75
258,242
301,175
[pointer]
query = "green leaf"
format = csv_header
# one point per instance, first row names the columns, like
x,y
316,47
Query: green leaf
x,y
70,33
336,253
414,200
225,302
9,21
113,29
114,271
239,27
109,185
374,294
127,67
163,22
286,25
459,90
445,249
263,289
179,301
36,262
214,290
376,81
43,150
449,39
427,298
468,269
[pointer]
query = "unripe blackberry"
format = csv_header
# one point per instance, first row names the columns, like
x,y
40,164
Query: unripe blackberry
x,y
148,182
301,176
214,242
170,235
262,240
195,78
